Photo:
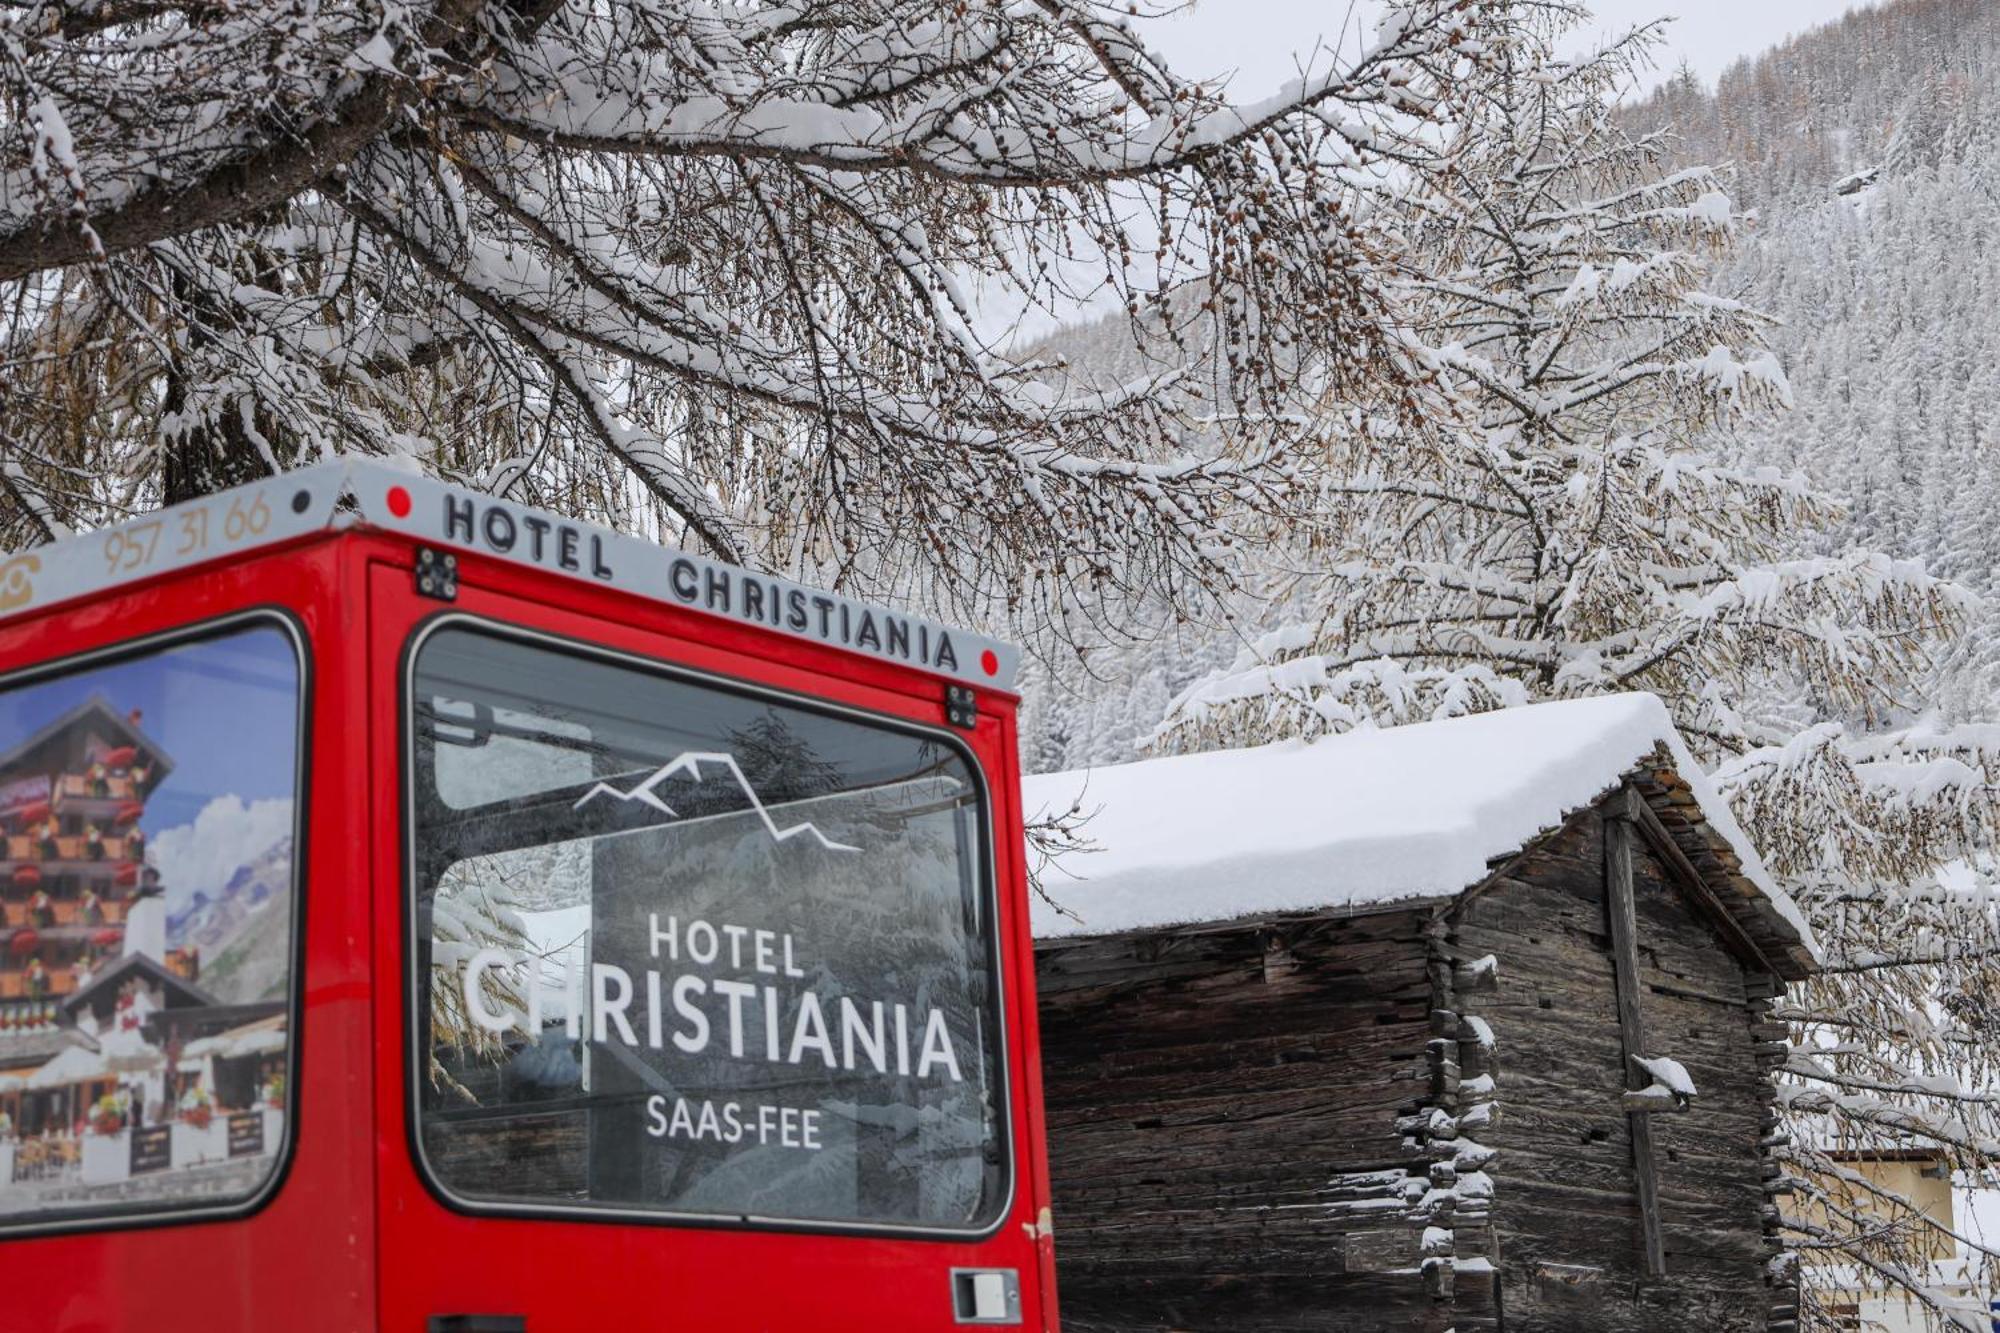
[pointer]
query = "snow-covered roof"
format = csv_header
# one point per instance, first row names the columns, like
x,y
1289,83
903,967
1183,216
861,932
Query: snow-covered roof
x,y
1367,818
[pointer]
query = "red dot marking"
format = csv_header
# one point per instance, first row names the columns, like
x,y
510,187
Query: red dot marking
x,y
399,502
989,662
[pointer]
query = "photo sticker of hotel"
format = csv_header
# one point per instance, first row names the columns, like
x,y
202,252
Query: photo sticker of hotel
x,y
121,1078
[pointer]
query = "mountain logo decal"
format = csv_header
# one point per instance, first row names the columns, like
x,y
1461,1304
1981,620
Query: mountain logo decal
x,y
689,764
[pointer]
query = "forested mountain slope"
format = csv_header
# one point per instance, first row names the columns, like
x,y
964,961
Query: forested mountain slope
x,y
1871,150
1093,697
1908,82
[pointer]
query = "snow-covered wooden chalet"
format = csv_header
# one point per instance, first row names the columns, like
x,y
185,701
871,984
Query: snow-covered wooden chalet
x,y
1462,1025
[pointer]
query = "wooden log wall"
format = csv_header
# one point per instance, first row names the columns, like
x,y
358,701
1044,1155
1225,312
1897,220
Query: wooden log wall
x,y
1460,1248
1236,1127
1781,1268
1566,1218
1415,1120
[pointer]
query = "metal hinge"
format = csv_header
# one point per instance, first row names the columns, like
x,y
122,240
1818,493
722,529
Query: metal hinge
x,y
961,707
437,574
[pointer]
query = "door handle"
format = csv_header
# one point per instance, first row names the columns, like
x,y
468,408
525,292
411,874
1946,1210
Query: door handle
x,y
477,1323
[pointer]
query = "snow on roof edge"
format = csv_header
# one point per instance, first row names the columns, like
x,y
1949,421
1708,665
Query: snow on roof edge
x,y
1715,810
1369,818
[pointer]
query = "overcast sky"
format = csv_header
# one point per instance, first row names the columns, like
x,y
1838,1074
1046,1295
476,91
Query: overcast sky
x,y
1260,40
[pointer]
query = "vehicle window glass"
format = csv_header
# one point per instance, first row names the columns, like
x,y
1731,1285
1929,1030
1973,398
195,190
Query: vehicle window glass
x,y
688,949
148,810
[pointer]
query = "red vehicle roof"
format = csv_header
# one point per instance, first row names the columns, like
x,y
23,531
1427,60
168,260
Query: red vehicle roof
x,y
298,504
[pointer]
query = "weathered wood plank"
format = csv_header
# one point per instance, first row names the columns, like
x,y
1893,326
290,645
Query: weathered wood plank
x,y
1618,831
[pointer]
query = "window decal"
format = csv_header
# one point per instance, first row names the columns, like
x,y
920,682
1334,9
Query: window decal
x,y
693,951
147,904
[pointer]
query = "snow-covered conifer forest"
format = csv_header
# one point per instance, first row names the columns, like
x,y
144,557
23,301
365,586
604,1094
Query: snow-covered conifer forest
x,y
1446,378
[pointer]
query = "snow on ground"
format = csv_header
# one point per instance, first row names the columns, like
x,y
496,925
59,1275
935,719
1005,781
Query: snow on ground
x,y
1374,816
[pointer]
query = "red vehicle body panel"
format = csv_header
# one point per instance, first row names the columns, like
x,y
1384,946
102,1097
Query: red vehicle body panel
x,y
353,1238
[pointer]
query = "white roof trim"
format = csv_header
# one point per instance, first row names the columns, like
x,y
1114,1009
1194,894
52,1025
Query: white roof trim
x,y
294,504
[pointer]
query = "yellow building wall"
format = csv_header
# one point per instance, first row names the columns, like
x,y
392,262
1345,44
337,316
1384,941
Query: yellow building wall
x,y
1925,1182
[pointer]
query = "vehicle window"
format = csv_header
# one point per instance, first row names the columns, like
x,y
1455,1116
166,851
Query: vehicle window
x,y
687,949
148,811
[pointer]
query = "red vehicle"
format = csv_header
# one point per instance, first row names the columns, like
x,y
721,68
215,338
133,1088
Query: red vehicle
x,y
424,913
